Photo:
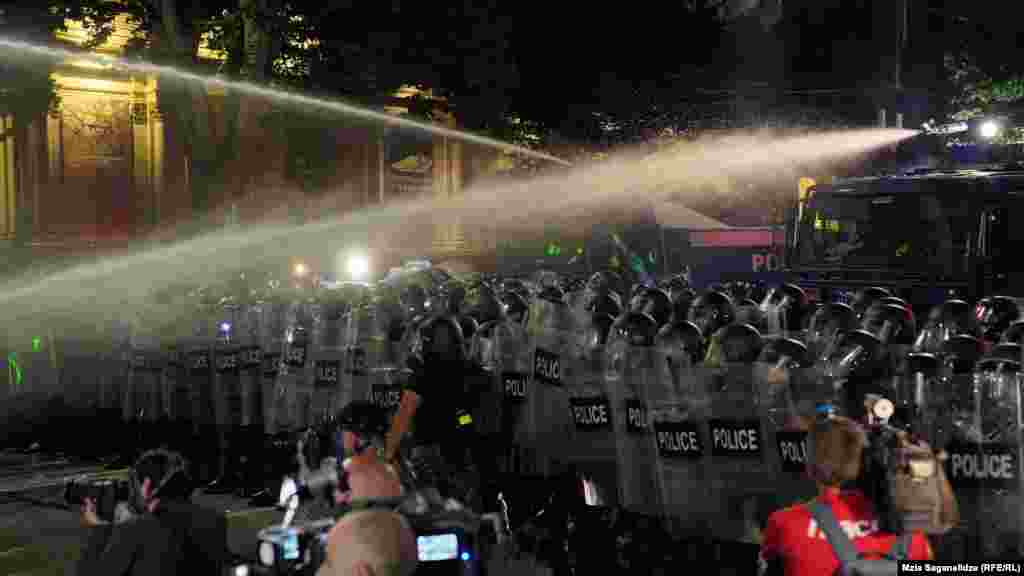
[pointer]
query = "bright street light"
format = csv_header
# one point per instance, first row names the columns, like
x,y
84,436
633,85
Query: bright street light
x,y
358,266
989,129
300,270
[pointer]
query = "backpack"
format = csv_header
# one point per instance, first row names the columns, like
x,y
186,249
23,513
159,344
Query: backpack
x,y
851,562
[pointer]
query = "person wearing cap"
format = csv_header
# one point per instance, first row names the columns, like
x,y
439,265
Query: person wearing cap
x,y
794,545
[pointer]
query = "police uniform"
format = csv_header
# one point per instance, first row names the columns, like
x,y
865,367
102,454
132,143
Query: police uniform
x,y
794,545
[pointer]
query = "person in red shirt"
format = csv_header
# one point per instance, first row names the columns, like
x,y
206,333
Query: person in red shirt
x,y
794,545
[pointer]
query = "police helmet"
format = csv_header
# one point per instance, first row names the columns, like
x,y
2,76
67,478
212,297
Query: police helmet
x,y
682,300
736,344
658,306
414,300
856,355
960,353
995,314
1006,351
1014,333
515,307
638,297
828,321
551,293
572,284
890,323
685,335
711,312
923,363
944,321
601,326
749,312
516,286
793,350
636,328
868,296
789,302
364,418
482,304
441,343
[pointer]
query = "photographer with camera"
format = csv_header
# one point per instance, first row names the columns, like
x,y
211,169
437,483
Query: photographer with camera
x,y
840,531
166,534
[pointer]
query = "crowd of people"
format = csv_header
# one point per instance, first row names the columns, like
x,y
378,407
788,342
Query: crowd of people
x,y
423,444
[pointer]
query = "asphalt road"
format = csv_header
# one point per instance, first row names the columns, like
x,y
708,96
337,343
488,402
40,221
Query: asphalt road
x,y
38,538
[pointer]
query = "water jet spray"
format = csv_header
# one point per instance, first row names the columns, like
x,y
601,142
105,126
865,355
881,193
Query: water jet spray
x,y
22,47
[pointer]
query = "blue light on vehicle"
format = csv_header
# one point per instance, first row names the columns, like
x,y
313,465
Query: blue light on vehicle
x,y
466,556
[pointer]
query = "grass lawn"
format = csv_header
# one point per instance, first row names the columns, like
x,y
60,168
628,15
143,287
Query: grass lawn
x,y
19,556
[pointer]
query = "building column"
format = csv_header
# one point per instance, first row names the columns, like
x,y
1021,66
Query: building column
x,y
8,179
141,174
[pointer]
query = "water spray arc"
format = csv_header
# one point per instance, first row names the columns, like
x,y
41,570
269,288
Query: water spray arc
x,y
21,47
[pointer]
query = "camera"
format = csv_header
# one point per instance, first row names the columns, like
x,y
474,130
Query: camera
x,y
902,476
106,492
293,549
447,543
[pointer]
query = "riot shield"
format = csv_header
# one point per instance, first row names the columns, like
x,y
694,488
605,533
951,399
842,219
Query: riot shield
x,y
199,377
514,368
290,384
227,360
329,357
550,330
367,349
984,459
274,323
630,371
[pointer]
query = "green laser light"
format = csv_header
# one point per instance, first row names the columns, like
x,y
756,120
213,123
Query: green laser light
x,y
12,366
37,343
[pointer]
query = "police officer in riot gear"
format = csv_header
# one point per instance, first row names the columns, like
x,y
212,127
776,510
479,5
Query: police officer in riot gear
x,y
658,306
866,297
826,324
995,314
1014,333
855,366
433,405
944,321
515,307
711,312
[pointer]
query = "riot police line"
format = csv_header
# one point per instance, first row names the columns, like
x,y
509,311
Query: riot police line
x,y
674,404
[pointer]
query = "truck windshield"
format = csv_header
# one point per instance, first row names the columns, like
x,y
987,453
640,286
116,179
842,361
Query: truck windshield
x,y
905,231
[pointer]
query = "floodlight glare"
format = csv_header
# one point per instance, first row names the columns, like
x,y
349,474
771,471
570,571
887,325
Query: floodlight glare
x,y
358,266
989,129
300,269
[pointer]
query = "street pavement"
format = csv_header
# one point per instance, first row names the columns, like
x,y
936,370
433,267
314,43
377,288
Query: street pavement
x,y
39,537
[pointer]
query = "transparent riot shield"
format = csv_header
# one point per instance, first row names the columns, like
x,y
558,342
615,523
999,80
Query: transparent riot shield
x,y
367,349
199,375
250,360
290,384
738,449
227,359
678,405
329,358
630,371
514,368
385,387
485,380
550,331
984,458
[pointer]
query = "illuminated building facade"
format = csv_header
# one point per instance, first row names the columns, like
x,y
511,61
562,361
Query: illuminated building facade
x,y
106,166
